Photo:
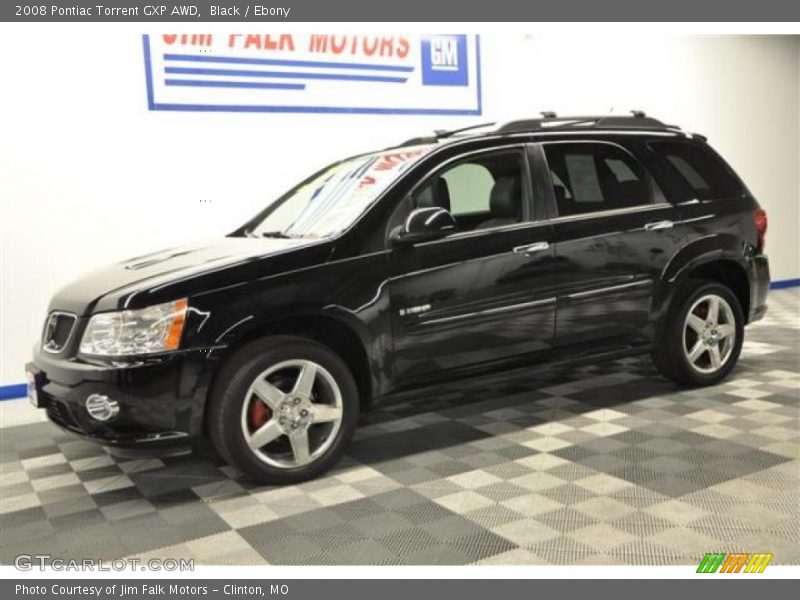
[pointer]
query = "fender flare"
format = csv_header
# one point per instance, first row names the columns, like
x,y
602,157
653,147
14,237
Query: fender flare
x,y
705,250
256,326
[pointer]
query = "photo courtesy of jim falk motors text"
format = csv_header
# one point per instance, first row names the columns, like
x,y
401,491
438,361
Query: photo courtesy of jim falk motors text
x,y
126,590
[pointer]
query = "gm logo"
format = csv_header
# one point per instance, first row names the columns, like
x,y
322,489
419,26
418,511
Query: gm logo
x,y
444,60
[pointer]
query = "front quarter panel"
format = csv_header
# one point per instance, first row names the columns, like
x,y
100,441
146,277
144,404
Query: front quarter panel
x,y
349,291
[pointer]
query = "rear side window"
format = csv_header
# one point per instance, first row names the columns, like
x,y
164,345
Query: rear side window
x,y
589,177
706,176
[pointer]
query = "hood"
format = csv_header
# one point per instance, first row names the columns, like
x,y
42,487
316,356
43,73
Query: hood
x,y
172,273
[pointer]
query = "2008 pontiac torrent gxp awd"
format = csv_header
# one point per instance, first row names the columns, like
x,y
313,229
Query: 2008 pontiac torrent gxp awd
x,y
475,251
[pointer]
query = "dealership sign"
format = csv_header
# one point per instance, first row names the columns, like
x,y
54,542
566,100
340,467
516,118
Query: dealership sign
x,y
382,74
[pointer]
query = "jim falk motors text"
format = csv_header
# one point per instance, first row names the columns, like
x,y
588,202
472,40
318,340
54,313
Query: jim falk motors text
x,y
158,589
383,46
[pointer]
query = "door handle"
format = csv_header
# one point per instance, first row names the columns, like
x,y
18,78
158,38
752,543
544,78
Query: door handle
x,y
657,225
531,248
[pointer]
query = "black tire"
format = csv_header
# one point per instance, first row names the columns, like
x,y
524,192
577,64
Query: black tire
x,y
669,356
225,416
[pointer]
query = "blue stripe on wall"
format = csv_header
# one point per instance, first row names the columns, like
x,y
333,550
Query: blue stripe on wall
x,y
282,74
782,284
20,390
235,84
9,392
316,64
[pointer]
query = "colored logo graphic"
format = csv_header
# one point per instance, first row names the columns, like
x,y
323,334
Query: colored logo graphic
x,y
739,562
444,60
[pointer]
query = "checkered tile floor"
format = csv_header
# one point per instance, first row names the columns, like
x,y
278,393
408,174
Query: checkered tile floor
x,y
608,464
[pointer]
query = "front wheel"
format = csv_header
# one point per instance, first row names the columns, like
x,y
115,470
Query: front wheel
x,y
283,410
702,336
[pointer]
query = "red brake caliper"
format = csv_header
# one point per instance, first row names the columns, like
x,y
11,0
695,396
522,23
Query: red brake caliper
x,y
701,311
258,414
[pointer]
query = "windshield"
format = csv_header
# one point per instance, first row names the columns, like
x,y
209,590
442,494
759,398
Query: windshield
x,y
334,199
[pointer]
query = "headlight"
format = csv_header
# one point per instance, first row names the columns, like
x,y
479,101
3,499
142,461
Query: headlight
x,y
153,329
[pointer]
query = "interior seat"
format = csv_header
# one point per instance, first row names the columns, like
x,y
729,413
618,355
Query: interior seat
x,y
436,194
505,203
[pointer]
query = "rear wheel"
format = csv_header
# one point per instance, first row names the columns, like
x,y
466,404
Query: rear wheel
x,y
702,335
283,409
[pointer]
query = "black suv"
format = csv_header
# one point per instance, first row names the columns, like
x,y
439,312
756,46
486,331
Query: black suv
x,y
472,251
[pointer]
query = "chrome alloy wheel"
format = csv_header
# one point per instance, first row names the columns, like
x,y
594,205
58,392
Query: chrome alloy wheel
x,y
292,413
709,333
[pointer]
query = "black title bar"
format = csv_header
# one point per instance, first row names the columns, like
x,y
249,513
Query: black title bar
x,y
733,588
401,10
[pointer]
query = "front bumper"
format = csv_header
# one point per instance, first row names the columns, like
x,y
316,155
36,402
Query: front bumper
x,y
161,399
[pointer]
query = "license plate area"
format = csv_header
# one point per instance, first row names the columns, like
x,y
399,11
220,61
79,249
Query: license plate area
x,y
34,384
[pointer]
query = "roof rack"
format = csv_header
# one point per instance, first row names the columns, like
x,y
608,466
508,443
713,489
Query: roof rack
x,y
550,120
439,134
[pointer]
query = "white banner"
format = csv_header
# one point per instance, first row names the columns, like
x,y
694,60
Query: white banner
x,y
379,74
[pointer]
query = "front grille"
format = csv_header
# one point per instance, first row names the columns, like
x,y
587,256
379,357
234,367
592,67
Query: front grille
x,y
57,331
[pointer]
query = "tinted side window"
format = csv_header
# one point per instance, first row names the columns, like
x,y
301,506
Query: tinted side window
x,y
706,176
589,177
482,191
470,187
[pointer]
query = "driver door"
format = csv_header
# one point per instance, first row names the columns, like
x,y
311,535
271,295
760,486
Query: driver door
x,y
484,294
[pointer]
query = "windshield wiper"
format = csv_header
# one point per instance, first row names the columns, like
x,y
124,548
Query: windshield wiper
x,y
278,234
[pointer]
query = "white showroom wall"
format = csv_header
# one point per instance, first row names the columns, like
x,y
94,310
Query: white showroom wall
x,y
88,175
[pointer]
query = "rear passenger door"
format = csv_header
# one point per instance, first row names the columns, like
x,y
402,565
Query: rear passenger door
x,y
614,234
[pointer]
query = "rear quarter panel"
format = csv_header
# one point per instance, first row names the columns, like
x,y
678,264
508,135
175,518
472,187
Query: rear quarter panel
x,y
716,230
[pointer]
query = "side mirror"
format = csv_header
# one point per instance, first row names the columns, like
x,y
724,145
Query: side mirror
x,y
423,225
